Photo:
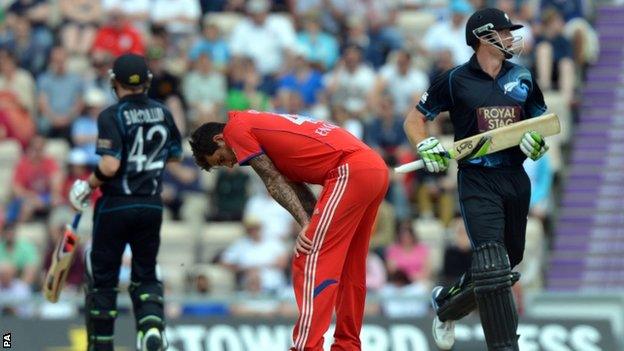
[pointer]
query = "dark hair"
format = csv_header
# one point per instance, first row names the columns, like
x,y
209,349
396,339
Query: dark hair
x,y
202,142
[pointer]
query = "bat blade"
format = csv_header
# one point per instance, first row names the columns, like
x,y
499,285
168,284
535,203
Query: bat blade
x,y
62,260
494,140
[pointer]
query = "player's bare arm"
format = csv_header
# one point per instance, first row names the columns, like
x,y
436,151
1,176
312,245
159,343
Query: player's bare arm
x,y
108,165
283,192
414,126
305,195
279,188
429,149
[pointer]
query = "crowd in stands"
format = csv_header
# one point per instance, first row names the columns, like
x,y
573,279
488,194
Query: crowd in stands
x,y
359,64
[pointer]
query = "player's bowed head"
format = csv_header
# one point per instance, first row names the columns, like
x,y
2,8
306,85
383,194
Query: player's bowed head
x,y
493,28
209,147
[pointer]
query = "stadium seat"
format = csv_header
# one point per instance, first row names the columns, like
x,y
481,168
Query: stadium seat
x,y
36,233
58,149
226,21
10,153
177,244
431,232
415,23
217,236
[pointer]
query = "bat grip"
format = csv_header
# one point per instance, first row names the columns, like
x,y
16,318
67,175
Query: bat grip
x,y
76,220
409,167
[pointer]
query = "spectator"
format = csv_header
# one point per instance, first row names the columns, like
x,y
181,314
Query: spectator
x,y
19,252
84,130
458,255
56,227
276,221
444,62
435,197
383,35
305,80
385,229
204,90
202,288
244,82
375,272
230,194
30,54
402,81
37,183
118,36
385,130
553,56
408,255
15,295
16,101
60,96
321,48
271,35
37,12
252,253
569,9
289,101
166,87
212,44
450,34
179,17
101,62
80,21
403,298
351,81
16,81
253,301
135,11
177,182
345,119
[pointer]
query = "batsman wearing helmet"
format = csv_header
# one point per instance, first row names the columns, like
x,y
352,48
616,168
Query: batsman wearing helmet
x,y
136,139
485,93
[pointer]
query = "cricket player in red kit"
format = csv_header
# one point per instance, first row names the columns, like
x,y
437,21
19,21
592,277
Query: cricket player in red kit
x,y
329,267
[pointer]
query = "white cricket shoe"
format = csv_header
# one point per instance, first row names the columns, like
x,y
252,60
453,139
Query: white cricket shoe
x,y
443,332
152,341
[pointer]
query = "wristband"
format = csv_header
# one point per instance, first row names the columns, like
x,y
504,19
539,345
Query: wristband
x,y
101,176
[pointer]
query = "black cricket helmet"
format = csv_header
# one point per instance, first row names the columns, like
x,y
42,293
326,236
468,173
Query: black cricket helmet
x,y
484,25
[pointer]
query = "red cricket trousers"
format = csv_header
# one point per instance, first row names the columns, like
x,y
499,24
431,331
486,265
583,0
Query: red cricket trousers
x,y
333,276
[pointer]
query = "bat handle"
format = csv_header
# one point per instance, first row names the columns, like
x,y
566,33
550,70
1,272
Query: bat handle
x,y
409,167
76,220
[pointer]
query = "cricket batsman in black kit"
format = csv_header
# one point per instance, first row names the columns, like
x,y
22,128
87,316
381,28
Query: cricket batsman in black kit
x,y
485,93
137,137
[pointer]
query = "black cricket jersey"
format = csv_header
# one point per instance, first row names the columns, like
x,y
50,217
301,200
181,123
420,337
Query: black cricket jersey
x,y
477,103
141,133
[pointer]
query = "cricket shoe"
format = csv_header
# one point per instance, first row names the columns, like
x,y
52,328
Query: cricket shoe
x,y
152,340
443,332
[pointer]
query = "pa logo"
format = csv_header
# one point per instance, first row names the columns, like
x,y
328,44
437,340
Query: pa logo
x,y
6,341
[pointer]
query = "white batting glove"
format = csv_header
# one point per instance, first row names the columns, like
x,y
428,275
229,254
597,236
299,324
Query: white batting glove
x,y
434,155
533,145
79,194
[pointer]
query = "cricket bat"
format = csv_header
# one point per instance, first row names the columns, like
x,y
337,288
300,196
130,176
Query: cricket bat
x,y
494,140
62,259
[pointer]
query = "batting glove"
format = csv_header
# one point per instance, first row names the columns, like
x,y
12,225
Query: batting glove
x,y
436,158
79,194
533,145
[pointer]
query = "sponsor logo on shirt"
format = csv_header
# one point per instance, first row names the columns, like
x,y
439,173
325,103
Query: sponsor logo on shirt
x,y
424,97
493,117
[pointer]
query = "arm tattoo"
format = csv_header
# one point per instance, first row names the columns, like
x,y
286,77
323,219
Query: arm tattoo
x,y
305,195
279,188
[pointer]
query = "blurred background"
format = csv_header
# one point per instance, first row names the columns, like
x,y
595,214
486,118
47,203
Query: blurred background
x,y
362,64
